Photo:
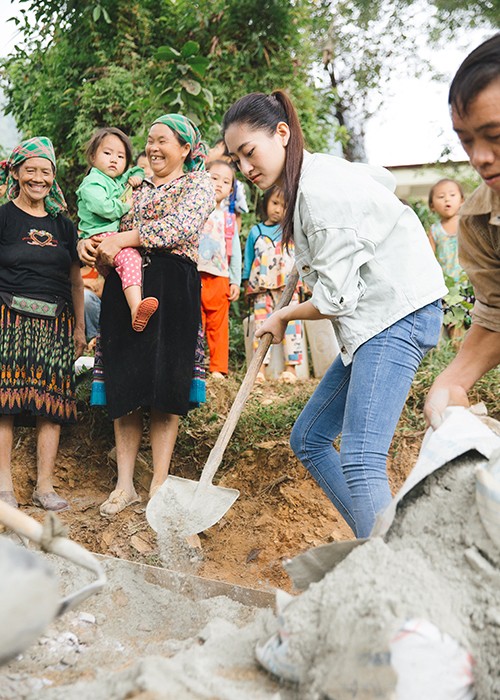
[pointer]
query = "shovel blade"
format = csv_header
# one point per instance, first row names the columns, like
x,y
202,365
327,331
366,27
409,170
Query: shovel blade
x,y
188,508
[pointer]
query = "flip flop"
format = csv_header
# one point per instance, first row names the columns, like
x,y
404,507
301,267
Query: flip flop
x,y
117,501
50,501
9,498
145,310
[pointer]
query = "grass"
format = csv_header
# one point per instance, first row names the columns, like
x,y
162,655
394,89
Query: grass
x,y
271,412
486,389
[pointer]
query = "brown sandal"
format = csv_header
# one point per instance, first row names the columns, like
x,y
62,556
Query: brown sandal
x,y
117,501
288,377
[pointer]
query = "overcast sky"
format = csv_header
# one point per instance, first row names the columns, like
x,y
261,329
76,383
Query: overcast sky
x,y
413,125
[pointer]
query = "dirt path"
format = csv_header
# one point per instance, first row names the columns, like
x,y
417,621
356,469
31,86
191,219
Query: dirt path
x,y
280,512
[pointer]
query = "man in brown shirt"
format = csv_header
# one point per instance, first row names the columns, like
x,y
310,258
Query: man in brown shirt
x,y
475,111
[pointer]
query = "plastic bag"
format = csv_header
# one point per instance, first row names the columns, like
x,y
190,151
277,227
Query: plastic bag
x,y
430,664
488,496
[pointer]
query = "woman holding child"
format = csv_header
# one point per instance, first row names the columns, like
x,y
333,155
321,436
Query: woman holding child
x,y
367,261
154,369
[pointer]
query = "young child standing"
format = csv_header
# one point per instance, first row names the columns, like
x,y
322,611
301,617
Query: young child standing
x,y
266,266
104,196
445,198
219,264
236,203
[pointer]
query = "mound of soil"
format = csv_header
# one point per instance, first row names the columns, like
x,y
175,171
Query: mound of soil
x,y
281,511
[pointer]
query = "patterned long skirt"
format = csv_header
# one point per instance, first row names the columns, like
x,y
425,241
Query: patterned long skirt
x,y
36,367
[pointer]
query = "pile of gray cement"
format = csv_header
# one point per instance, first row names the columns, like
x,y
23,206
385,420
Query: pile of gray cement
x,y
140,640
436,563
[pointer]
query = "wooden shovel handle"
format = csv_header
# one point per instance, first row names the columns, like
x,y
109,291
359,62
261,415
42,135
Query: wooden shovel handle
x,y
26,526
217,452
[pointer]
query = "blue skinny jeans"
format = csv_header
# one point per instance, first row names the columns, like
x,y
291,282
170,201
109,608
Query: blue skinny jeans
x,y
363,401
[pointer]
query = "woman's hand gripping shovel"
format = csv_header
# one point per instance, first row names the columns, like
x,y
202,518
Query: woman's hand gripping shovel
x,y
188,506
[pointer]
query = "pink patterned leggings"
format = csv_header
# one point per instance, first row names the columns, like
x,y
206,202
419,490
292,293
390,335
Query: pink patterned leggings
x,y
128,265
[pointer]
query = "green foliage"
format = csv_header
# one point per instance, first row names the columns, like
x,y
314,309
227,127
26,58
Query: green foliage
x,y
84,64
459,301
451,15
363,42
460,298
271,421
486,389
237,358
426,216
366,42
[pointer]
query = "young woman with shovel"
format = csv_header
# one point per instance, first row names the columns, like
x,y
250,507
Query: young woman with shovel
x,y
367,260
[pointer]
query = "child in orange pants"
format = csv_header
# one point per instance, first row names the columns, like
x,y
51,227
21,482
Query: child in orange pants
x,y
219,264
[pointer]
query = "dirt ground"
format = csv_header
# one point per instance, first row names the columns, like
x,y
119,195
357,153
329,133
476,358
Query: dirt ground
x,y
280,512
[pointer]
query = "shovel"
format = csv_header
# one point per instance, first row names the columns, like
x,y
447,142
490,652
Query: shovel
x,y
27,528
29,593
194,506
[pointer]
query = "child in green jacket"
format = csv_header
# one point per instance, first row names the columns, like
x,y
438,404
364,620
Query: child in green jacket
x,y
104,196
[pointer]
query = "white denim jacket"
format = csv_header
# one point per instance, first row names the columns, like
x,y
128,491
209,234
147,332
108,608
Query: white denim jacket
x,y
361,251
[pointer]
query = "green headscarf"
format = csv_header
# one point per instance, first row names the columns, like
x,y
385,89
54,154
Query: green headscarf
x,y
38,147
190,134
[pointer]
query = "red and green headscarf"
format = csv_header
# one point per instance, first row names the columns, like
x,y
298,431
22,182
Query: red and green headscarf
x,y
190,134
38,147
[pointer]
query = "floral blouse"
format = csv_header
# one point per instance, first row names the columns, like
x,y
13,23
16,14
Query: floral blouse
x,y
171,216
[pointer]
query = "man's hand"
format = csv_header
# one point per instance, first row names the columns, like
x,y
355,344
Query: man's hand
x,y
479,352
438,400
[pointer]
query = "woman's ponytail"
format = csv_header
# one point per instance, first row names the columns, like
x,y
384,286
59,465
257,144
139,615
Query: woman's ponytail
x,y
293,163
262,111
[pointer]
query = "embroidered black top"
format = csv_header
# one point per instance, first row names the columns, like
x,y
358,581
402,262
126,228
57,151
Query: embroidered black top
x,y
36,254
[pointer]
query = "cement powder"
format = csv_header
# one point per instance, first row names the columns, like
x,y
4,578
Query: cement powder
x,y
437,563
137,636
176,553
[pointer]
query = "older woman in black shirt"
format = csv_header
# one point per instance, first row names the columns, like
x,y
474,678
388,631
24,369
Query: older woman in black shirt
x,y
41,314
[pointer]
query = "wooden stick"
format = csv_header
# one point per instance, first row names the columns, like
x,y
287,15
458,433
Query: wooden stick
x,y
217,453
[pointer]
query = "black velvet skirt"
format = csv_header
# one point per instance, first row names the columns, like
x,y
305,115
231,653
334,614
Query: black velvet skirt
x,y
152,369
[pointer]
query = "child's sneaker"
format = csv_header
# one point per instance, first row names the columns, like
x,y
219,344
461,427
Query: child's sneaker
x,y
145,310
